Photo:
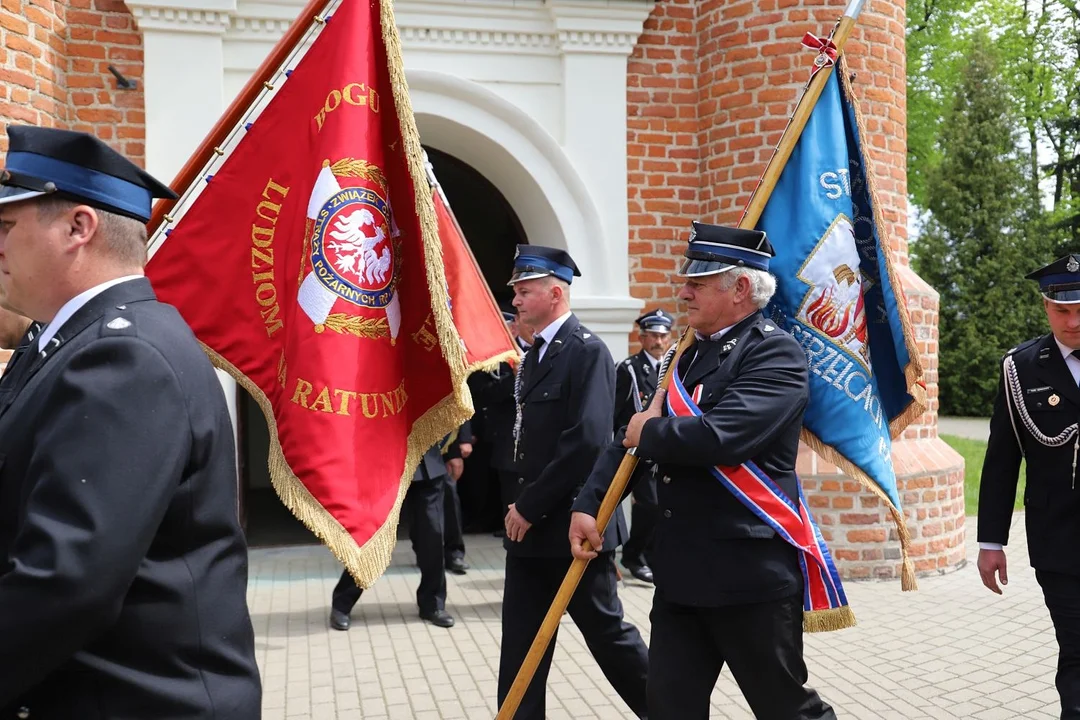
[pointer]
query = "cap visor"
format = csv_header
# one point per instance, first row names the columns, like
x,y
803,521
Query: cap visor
x,y
11,194
526,275
1063,297
700,268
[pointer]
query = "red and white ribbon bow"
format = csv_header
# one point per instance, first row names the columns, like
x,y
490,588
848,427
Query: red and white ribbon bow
x,y
827,51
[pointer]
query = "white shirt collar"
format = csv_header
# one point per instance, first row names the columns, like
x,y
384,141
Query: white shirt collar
x,y
1066,352
716,335
552,329
652,361
73,305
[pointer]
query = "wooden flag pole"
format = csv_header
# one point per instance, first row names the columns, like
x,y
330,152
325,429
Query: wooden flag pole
x,y
239,106
629,462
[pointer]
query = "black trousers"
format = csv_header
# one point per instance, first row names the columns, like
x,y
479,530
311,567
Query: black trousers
x,y
762,643
531,585
423,508
644,514
1062,594
453,539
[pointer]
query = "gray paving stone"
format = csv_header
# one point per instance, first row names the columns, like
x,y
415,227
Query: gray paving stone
x,y
950,650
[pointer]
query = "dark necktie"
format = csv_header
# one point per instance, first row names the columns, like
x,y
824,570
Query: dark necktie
x,y
700,348
533,358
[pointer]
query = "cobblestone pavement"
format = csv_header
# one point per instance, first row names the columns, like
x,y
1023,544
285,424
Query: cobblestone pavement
x,y
950,650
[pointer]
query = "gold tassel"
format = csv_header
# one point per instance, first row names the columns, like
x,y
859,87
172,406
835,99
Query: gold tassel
x,y
828,620
907,575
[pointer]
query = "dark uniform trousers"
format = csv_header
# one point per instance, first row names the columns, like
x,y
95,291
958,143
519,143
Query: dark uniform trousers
x,y
595,608
728,589
1045,387
644,512
567,400
761,643
423,508
453,526
453,533
1062,594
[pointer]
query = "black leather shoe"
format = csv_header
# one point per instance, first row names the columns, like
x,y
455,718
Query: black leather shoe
x,y
439,618
457,566
339,620
642,573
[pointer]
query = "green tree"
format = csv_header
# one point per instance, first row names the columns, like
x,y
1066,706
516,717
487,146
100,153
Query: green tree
x,y
936,41
975,248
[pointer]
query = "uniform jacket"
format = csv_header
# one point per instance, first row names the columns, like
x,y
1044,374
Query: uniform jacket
x,y
1051,400
710,550
634,376
123,568
493,394
566,423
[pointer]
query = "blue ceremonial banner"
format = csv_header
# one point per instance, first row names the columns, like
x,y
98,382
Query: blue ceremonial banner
x,y
838,296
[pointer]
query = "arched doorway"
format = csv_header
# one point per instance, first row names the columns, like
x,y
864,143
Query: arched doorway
x,y
493,231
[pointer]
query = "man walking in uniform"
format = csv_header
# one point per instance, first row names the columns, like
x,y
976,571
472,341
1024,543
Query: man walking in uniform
x,y
1035,419
123,567
728,588
564,396
635,382
424,506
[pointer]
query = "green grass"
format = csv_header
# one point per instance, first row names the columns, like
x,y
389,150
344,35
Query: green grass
x,y
974,451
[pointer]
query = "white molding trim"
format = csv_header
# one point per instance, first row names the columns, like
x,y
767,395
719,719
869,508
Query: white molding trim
x,y
607,27
191,16
180,19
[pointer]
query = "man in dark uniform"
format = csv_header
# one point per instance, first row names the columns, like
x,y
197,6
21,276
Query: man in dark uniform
x,y
493,394
424,508
635,383
728,589
1035,419
457,447
123,567
564,397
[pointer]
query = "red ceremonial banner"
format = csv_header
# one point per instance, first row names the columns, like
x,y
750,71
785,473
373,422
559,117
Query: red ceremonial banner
x,y
484,336
310,268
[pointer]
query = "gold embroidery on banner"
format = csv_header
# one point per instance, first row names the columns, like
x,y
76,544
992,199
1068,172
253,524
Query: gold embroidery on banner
x,y
372,328
424,337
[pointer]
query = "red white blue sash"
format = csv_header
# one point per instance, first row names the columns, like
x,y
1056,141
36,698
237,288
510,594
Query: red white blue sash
x,y
825,605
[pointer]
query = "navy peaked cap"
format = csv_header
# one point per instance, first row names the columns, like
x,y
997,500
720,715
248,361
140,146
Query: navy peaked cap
x,y
536,261
655,321
1060,280
717,248
79,167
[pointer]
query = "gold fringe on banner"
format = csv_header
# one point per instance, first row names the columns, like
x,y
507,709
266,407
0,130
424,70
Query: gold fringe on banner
x,y
368,562
907,574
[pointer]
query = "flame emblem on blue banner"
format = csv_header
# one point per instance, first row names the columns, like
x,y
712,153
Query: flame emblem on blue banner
x,y
838,295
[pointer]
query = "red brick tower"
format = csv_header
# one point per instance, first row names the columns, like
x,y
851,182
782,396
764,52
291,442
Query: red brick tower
x,y
711,85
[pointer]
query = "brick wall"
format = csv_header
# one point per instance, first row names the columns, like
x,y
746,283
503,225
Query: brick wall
x,y
662,149
701,159
54,67
32,64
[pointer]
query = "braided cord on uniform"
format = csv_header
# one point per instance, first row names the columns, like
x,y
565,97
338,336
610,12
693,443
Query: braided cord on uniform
x,y
1015,393
517,398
